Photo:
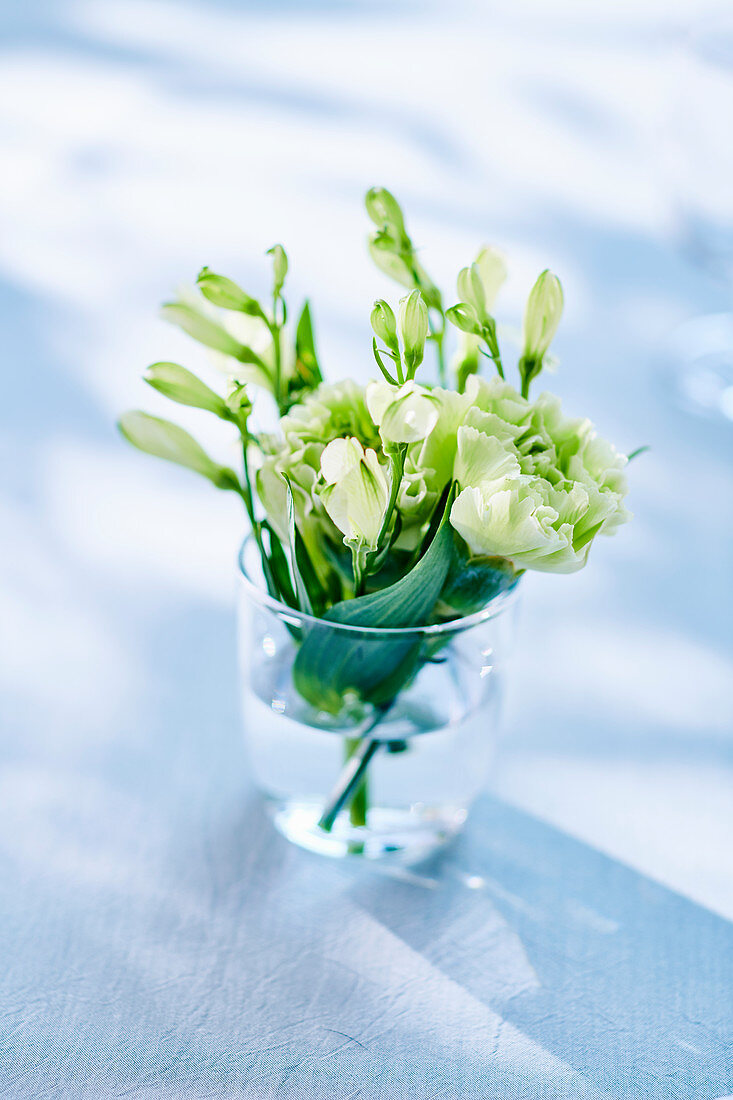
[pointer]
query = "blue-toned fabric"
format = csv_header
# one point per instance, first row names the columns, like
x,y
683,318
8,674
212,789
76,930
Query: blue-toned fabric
x,y
158,940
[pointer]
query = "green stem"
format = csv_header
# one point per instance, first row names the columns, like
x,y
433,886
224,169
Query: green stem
x,y
397,460
245,491
359,804
358,752
277,381
439,336
493,346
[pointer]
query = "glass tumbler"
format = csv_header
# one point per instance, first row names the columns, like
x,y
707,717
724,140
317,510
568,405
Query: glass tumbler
x,y
353,778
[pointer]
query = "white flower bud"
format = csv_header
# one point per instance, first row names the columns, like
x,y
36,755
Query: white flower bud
x,y
356,492
471,289
491,266
403,414
542,315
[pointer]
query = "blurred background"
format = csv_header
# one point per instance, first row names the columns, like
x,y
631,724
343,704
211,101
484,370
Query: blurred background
x,y
141,140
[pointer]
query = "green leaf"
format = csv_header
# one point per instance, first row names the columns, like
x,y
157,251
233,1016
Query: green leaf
x,y
280,569
225,293
182,386
301,591
472,582
307,369
375,667
164,439
638,451
312,598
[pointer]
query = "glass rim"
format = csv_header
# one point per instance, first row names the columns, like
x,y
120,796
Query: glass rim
x,y
258,595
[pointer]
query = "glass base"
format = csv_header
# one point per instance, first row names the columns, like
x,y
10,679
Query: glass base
x,y
405,835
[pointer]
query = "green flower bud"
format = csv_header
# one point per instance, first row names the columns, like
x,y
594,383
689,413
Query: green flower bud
x,y
464,317
203,329
180,385
221,291
471,290
164,439
384,210
239,404
384,324
542,315
279,267
389,262
414,327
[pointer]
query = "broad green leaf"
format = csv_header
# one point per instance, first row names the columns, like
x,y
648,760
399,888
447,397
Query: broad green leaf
x,y
375,667
164,439
182,386
472,582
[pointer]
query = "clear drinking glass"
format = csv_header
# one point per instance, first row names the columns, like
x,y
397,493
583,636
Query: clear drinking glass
x,y
358,779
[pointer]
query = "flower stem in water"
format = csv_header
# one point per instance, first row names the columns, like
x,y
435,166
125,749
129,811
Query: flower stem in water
x,y
360,798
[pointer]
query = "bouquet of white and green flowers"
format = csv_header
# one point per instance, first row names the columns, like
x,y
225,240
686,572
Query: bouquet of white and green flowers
x,y
401,503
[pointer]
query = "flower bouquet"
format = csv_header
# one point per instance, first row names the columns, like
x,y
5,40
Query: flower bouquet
x,y
390,525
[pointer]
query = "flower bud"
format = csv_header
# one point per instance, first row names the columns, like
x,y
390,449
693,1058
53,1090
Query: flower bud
x,y
384,324
471,289
384,210
491,266
279,267
239,404
464,317
165,440
414,327
182,386
202,328
542,315
403,415
356,491
223,292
